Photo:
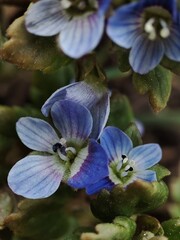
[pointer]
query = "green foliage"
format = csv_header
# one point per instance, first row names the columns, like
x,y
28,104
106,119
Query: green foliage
x,y
161,171
123,59
172,228
133,132
138,197
29,51
157,84
171,65
122,228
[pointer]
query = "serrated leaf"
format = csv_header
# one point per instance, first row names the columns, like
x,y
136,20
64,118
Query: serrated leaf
x,y
29,51
157,84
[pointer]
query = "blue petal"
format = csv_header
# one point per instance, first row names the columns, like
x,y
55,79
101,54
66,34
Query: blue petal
x,y
81,35
90,166
36,134
145,54
172,44
87,95
125,25
147,175
73,121
115,143
104,183
35,176
103,6
46,18
145,156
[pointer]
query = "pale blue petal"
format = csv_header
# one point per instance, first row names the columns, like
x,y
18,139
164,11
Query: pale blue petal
x,y
172,44
46,18
81,35
104,183
73,121
115,143
35,176
36,134
147,175
145,156
125,25
90,166
103,6
145,54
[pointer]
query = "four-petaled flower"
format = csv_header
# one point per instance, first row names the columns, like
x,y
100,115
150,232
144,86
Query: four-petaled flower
x,y
95,98
78,24
151,28
70,157
126,164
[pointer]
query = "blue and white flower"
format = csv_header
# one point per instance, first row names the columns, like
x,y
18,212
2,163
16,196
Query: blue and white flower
x,y
78,24
150,28
95,97
69,157
126,164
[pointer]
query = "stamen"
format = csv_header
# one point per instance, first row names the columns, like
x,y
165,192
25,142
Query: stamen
x,y
164,33
73,150
125,160
66,4
82,5
62,156
148,27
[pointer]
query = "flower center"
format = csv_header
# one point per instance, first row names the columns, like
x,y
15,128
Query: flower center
x,y
64,152
156,22
76,8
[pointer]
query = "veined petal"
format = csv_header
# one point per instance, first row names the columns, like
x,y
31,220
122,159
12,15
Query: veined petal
x,y
73,121
115,143
172,44
125,25
145,54
103,6
147,175
104,183
145,156
46,18
90,166
81,35
36,176
36,134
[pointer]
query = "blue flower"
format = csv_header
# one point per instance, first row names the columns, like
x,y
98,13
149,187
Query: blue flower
x,y
70,157
78,24
151,28
126,164
95,98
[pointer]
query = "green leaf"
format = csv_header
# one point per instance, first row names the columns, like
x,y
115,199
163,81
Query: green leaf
x,y
133,132
161,171
123,59
122,228
29,51
138,197
175,189
157,84
172,229
171,65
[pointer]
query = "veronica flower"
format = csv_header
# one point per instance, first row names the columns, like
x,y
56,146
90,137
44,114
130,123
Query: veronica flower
x,y
79,24
68,157
126,164
94,97
150,28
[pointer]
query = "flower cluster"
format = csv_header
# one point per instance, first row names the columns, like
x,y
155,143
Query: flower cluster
x,y
149,28
73,155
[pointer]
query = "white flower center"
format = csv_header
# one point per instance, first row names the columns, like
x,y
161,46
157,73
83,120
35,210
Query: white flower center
x,y
155,28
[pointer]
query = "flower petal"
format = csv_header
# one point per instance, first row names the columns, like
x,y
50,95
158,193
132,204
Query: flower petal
x,y
90,166
36,176
145,54
104,183
46,18
103,5
36,134
125,25
147,175
145,156
172,44
72,120
115,143
81,35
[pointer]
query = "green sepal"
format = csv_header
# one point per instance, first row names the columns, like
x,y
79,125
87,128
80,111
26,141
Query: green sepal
x,y
157,84
123,59
31,52
121,114
161,171
138,197
133,132
171,65
122,228
172,229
